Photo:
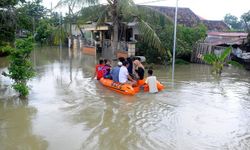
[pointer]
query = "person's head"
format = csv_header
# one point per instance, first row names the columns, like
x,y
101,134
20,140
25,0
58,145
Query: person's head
x,y
121,59
119,63
108,62
125,63
105,61
129,60
138,58
137,62
101,61
150,72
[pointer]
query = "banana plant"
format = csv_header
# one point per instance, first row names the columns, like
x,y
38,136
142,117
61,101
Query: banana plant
x,y
217,61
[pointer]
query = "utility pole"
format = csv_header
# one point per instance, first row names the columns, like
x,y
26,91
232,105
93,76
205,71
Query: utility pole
x,y
174,45
60,30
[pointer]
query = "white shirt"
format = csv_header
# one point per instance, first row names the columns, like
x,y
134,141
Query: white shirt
x,y
123,74
152,83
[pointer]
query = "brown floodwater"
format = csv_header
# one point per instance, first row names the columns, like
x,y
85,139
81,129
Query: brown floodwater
x,y
67,110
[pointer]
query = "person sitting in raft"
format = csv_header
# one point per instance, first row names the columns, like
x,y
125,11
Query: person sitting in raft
x,y
99,70
124,76
106,69
121,59
152,82
115,72
130,67
138,69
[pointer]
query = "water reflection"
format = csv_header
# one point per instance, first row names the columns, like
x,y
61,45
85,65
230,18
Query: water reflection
x,y
69,110
16,126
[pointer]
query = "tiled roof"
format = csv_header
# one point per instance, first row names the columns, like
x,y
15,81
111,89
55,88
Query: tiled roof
x,y
213,25
185,16
188,18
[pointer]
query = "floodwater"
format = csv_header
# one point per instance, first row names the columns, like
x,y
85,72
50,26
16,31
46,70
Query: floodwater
x,y
67,110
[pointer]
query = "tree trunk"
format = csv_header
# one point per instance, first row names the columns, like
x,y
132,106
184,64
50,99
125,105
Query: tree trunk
x,y
115,38
115,28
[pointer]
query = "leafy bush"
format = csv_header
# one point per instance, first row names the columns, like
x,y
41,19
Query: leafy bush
x,y
21,68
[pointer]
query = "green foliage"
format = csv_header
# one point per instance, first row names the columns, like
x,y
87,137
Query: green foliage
x,y
43,32
246,18
8,3
217,61
186,39
6,49
233,22
29,14
50,31
7,27
236,64
22,88
57,34
20,68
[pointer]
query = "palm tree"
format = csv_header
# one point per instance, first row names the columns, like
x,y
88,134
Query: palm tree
x,y
72,4
118,11
123,10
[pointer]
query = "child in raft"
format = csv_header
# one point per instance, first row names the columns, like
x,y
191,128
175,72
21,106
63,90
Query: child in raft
x,y
99,70
152,82
106,69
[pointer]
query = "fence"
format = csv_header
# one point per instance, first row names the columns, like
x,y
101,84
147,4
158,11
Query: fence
x,y
204,48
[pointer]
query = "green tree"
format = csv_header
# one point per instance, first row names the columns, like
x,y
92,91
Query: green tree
x,y
186,39
44,32
233,22
72,5
7,22
20,68
29,15
246,19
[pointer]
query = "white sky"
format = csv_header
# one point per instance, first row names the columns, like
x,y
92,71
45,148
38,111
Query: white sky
x,y
208,9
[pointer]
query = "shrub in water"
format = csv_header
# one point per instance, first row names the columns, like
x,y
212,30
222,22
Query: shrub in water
x,y
21,68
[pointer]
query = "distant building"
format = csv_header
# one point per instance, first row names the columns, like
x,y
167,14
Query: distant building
x,y
101,37
215,25
226,38
188,18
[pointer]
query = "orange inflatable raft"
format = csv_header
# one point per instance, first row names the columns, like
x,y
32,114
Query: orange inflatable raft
x,y
127,89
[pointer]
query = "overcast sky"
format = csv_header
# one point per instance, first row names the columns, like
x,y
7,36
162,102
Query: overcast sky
x,y
208,9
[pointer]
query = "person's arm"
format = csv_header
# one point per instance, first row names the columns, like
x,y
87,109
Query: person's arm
x,y
130,78
146,81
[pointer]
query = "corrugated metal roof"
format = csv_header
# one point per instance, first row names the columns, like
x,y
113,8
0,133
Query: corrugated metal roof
x,y
228,34
229,38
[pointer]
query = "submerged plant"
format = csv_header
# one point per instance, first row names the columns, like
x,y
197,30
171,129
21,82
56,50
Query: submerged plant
x,y
21,68
217,61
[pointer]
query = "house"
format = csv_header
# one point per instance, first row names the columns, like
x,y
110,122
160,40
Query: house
x,y
226,38
216,42
101,36
188,18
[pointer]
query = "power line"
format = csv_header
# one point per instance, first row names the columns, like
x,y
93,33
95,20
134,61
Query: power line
x,y
153,1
